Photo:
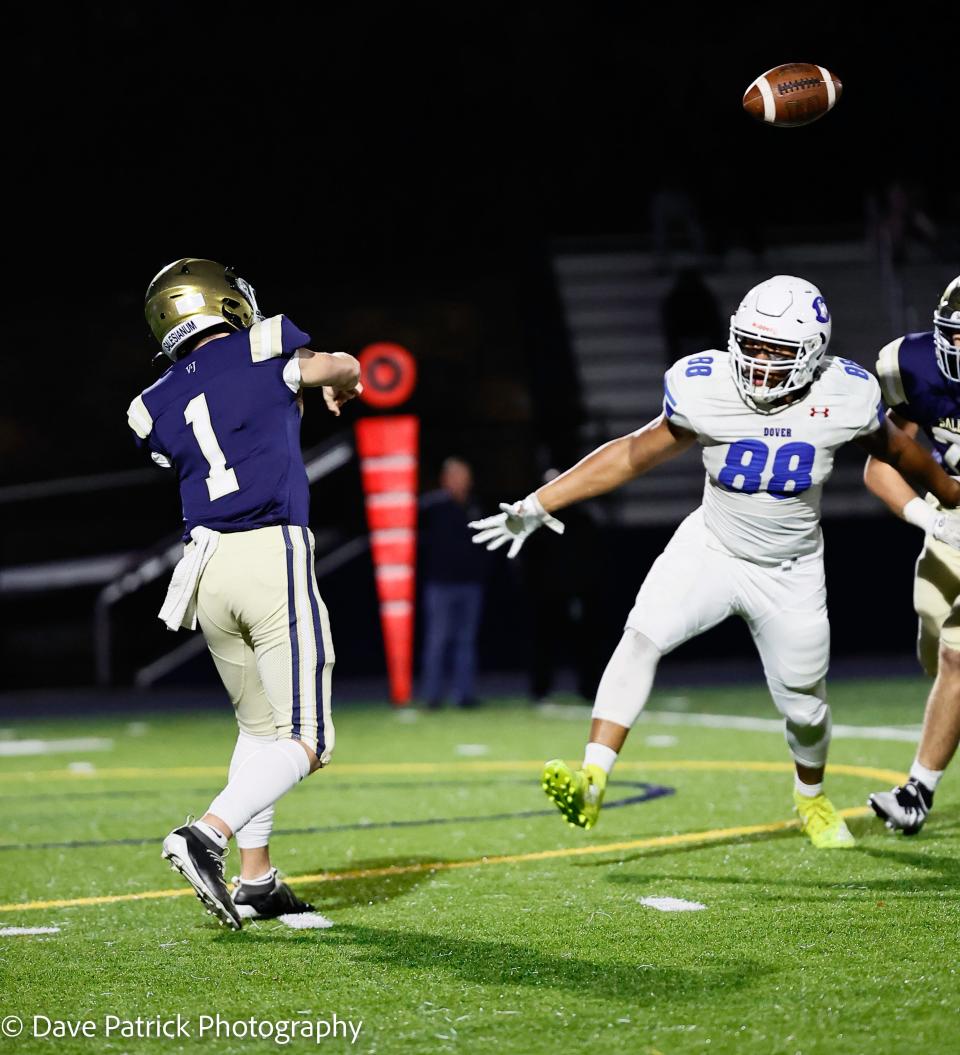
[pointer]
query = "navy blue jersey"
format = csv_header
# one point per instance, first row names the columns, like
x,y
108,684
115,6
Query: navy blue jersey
x,y
915,388
226,418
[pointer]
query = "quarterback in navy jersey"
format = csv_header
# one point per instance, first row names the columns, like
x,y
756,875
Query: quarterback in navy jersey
x,y
920,378
253,402
225,416
768,413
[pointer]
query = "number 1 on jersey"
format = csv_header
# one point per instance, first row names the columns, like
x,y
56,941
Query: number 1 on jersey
x,y
221,481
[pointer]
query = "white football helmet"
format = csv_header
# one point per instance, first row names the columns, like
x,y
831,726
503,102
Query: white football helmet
x,y
946,325
789,314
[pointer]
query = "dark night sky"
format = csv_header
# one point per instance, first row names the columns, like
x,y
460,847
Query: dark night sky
x,y
404,163
370,133
378,145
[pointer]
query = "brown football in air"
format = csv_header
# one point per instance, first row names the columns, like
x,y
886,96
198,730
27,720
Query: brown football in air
x,y
791,95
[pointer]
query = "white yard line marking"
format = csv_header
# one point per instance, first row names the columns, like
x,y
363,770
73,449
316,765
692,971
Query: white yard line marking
x,y
908,734
21,748
905,733
9,932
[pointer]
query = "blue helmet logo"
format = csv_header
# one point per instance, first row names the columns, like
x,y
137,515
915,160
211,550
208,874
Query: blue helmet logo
x,y
820,307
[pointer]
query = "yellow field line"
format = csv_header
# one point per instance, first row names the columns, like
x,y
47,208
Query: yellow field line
x,y
427,768
683,839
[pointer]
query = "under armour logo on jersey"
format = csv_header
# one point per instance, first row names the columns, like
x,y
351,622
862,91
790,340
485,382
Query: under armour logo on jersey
x,y
814,411
191,368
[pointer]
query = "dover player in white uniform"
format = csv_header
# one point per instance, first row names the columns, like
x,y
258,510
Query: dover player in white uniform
x,y
769,414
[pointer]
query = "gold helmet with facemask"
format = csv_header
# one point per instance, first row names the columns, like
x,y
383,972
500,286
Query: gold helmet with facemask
x,y
192,295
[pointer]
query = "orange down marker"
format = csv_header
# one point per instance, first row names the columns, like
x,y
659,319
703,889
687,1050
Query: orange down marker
x,y
388,449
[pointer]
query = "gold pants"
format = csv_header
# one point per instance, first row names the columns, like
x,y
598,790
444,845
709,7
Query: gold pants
x,y
936,598
269,634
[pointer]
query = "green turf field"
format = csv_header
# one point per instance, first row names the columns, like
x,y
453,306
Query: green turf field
x,y
466,921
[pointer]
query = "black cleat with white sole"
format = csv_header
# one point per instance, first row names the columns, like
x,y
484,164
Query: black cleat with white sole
x,y
905,808
254,902
200,862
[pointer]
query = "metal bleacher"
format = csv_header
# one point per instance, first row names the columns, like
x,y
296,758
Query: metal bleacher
x,y
612,300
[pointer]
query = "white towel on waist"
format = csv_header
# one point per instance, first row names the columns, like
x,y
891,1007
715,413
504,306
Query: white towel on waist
x,y
180,606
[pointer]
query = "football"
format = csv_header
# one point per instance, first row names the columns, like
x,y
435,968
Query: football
x,y
791,95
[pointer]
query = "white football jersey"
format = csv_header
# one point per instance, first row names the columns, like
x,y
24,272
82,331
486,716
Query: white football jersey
x,y
765,472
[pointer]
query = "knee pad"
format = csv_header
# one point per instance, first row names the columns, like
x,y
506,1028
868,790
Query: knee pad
x,y
247,745
807,725
627,680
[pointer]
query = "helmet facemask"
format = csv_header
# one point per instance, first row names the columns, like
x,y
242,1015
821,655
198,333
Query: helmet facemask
x,y
783,366
946,327
247,291
778,338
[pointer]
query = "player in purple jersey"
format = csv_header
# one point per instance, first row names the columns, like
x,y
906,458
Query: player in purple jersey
x,y
226,417
920,378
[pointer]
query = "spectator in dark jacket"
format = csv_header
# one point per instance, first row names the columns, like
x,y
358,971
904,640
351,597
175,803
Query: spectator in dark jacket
x,y
563,575
452,572
691,317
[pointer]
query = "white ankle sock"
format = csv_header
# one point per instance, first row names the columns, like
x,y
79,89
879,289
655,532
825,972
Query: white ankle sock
x,y
600,755
266,880
930,778
809,790
259,781
213,834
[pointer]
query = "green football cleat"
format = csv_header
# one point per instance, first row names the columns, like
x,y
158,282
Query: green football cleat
x,y
577,794
826,828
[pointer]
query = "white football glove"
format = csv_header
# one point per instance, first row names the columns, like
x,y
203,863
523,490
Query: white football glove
x,y
515,524
951,457
946,529
942,524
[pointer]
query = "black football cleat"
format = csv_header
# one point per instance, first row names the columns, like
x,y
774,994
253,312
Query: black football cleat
x,y
268,903
905,808
200,862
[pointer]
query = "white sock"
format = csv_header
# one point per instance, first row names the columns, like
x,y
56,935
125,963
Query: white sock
x,y
258,782
256,832
599,755
930,778
809,790
267,879
213,834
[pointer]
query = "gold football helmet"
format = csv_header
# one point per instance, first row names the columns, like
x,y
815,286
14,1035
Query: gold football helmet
x,y
193,295
946,327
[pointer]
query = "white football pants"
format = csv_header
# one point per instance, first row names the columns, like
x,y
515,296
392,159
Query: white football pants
x,y
692,587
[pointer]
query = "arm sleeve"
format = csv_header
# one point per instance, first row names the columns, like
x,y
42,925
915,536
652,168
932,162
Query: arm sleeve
x,y
674,404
